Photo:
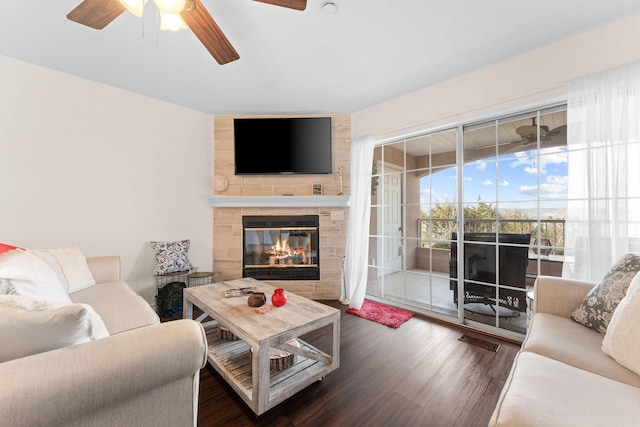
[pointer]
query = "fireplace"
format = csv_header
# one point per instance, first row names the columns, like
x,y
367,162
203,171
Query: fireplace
x,y
281,247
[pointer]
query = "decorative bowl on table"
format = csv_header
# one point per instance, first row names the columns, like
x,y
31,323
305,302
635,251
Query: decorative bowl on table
x,y
257,299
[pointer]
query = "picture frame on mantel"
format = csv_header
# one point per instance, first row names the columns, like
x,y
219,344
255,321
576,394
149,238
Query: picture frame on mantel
x,y
317,190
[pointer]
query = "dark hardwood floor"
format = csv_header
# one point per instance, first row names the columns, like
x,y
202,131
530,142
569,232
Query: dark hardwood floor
x,y
417,375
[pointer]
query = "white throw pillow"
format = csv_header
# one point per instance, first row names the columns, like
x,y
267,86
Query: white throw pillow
x,y
30,276
30,326
69,264
622,340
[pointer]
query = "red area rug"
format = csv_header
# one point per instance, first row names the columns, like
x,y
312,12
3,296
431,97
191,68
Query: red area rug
x,y
389,316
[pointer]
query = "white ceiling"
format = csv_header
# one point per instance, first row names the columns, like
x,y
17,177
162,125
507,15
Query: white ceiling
x,y
298,62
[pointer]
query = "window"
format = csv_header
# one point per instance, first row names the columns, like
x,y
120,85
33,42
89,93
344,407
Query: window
x,y
496,182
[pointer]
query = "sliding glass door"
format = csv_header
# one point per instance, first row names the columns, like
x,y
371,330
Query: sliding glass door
x,y
424,170
464,219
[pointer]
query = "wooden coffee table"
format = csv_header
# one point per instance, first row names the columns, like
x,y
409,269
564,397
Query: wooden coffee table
x,y
245,363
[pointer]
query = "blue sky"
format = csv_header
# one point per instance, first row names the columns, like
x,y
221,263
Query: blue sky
x,y
516,176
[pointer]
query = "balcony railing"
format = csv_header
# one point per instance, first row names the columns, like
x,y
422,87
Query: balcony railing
x,y
547,235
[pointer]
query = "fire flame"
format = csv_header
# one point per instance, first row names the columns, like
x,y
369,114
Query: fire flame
x,y
282,248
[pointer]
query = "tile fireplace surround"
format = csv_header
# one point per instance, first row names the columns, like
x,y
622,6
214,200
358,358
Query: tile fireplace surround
x,y
264,195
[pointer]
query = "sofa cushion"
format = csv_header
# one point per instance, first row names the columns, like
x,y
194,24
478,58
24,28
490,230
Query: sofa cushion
x,y
171,257
30,326
598,306
119,306
30,276
564,340
544,392
622,340
69,264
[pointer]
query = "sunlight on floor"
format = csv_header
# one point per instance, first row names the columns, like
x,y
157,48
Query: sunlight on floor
x,y
431,293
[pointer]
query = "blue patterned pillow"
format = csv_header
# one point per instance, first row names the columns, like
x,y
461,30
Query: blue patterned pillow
x,y
171,257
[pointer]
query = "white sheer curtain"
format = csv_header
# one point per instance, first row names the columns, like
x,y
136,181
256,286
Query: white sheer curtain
x,y
357,249
603,207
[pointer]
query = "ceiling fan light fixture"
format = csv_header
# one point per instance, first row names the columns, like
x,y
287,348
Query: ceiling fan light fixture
x,y
174,15
170,6
172,22
136,7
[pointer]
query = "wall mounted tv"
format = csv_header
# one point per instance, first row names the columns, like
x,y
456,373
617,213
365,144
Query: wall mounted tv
x,y
266,146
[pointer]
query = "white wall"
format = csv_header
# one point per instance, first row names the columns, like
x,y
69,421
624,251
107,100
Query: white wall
x,y
530,79
107,170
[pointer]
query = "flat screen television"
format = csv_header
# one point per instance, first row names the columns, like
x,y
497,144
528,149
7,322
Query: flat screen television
x,y
266,146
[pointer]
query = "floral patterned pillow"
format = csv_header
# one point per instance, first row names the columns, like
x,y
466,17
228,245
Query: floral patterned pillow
x,y
171,257
598,306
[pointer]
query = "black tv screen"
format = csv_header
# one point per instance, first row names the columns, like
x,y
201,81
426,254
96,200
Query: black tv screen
x,y
264,146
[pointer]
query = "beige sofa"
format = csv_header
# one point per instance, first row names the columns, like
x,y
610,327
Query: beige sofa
x,y
561,377
144,374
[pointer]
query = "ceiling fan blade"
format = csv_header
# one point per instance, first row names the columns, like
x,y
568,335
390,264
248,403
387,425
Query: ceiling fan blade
x,y
211,36
291,4
96,13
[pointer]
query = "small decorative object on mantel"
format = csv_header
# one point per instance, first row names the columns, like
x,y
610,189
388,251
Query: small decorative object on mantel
x,y
257,299
220,183
341,189
279,298
317,189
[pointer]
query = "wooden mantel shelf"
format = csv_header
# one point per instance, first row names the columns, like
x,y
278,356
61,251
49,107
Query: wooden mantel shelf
x,y
279,201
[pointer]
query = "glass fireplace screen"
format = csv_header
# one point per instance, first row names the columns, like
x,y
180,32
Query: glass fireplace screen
x,y
281,247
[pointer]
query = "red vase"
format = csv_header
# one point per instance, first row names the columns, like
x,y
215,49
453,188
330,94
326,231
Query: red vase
x,y
279,298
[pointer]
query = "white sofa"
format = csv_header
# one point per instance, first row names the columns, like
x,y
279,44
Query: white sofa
x,y
561,376
143,374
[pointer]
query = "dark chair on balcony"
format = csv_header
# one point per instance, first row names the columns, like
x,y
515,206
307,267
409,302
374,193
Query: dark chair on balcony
x,y
480,266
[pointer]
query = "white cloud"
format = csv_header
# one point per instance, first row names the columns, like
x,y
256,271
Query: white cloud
x,y
554,187
468,178
548,156
488,182
557,179
433,196
428,194
481,165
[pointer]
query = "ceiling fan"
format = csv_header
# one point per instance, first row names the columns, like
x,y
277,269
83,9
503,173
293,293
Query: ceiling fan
x,y
529,133
174,14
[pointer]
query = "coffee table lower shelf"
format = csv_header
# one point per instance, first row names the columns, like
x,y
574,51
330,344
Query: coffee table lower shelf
x,y
233,361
